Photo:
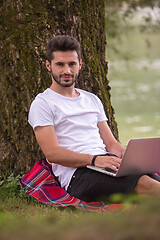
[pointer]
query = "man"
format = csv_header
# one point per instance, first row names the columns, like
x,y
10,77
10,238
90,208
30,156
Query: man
x,y
71,129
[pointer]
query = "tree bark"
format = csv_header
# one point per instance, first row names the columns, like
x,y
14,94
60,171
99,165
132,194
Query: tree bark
x,y
25,28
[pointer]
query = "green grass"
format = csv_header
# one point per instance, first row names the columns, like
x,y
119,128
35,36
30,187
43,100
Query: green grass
x,y
22,217
19,219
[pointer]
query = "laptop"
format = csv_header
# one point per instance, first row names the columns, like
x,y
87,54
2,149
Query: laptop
x,y
142,156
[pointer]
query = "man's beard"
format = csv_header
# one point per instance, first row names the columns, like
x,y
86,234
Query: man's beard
x,y
57,79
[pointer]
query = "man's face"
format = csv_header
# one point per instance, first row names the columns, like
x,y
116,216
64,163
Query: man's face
x,y
64,67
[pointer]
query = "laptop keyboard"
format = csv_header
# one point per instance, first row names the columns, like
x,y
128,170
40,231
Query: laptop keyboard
x,y
110,170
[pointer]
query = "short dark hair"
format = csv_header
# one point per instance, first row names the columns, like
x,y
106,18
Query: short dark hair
x,y
62,43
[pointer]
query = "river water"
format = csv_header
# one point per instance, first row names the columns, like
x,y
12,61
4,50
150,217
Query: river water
x,y
134,75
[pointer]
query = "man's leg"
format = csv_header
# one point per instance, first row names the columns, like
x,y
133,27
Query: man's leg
x,y
147,186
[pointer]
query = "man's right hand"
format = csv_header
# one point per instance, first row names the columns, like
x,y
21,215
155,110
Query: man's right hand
x,y
108,162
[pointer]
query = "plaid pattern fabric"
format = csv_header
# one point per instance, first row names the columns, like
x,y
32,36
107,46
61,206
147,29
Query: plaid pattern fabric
x,y
41,184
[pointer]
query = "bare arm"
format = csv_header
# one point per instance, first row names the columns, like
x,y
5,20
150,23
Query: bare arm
x,y
48,142
112,145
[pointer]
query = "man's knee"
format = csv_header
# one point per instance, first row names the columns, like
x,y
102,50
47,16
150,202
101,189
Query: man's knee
x,y
147,186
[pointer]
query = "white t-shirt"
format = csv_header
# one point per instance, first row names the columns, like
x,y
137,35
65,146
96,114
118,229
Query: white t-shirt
x,y
75,121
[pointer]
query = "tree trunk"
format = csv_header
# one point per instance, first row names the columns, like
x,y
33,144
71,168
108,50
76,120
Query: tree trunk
x,y
25,28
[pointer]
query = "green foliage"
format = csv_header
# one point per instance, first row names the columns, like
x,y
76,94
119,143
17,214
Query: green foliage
x,y
118,12
121,20
133,3
11,187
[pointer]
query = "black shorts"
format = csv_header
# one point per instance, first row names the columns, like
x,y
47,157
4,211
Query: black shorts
x,y
90,185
